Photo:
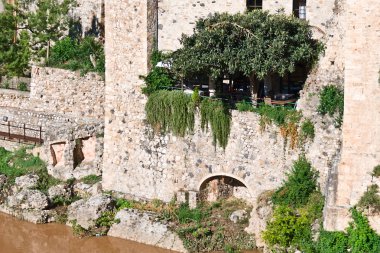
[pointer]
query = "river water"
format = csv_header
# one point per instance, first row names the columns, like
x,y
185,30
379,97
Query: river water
x,y
24,237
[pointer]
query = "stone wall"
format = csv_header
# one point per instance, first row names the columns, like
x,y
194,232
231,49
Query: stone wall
x,y
59,91
177,17
361,141
275,6
91,14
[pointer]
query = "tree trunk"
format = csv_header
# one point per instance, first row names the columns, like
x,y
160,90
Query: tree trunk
x,y
254,86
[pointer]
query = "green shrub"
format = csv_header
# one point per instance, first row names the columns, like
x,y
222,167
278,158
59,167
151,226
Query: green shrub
x,y
22,86
123,204
170,111
186,215
107,219
278,115
307,130
332,103
76,55
376,171
91,179
287,228
244,106
300,184
216,114
361,237
157,79
370,199
332,242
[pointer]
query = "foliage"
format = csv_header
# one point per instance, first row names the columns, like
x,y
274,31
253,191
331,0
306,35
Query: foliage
x,y
85,55
285,118
307,130
28,34
361,237
91,179
48,23
244,106
216,114
254,43
64,201
157,79
123,204
300,184
170,111
287,228
107,219
22,86
370,199
186,215
332,242
376,171
20,163
196,97
332,103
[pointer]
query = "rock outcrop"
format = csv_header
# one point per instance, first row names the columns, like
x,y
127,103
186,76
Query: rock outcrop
x,y
144,227
86,212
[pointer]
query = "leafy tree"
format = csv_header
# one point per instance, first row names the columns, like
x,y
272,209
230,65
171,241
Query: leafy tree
x,y
48,23
256,44
300,184
29,33
14,50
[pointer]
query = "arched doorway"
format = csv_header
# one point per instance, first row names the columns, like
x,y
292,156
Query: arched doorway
x,y
219,187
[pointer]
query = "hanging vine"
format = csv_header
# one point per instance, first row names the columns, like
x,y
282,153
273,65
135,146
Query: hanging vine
x,y
216,114
170,111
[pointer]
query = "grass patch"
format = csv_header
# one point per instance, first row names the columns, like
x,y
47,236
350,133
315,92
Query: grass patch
x,y
20,163
91,179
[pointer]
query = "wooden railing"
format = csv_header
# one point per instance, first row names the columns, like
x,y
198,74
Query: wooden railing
x,y
21,133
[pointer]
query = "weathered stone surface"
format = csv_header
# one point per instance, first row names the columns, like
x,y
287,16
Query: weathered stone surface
x,y
59,190
28,199
85,212
85,190
145,228
32,215
26,182
238,215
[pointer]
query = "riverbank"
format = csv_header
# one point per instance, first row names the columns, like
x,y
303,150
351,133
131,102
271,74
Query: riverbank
x,y
29,193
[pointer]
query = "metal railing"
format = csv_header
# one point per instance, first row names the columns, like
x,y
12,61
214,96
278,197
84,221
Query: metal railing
x,y
21,133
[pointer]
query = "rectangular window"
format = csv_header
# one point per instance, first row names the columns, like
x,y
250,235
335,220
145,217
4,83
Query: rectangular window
x,y
254,4
299,8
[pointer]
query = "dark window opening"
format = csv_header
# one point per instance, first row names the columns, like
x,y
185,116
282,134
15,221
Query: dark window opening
x,y
299,8
254,4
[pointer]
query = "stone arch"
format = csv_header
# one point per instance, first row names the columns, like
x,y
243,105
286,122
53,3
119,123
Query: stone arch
x,y
238,187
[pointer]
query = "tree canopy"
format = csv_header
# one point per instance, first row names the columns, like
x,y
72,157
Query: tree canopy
x,y
28,32
253,43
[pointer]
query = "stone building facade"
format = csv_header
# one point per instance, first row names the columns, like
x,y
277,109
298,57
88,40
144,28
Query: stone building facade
x,y
178,17
144,166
